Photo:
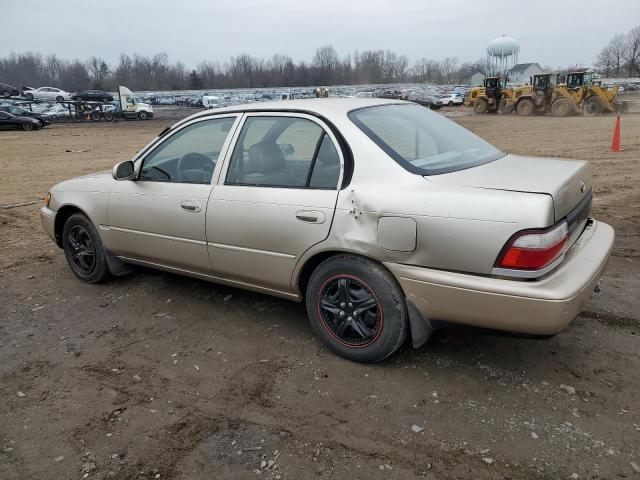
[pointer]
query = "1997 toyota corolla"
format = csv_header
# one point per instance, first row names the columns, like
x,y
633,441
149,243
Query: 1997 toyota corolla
x,y
385,217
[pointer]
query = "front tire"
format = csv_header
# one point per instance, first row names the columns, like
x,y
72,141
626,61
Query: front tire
x,y
83,250
480,105
525,107
143,115
28,96
357,308
27,126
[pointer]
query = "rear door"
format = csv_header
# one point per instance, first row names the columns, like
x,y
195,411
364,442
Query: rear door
x,y
275,198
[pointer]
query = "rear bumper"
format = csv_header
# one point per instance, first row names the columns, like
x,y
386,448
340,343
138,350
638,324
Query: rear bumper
x,y
542,307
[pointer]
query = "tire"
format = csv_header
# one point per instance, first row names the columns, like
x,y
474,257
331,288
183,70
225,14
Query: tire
x,y
143,115
83,250
525,107
506,106
108,116
480,105
59,99
362,334
95,116
594,106
28,96
450,103
561,107
27,126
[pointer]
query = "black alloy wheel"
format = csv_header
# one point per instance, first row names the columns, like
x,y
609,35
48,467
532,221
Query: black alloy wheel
x,y
83,251
350,311
357,308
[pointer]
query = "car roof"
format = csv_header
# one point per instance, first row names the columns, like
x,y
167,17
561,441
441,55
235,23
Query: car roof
x,y
327,107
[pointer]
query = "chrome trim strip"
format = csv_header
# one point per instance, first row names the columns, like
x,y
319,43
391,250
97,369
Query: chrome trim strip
x,y
154,235
251,250
509,272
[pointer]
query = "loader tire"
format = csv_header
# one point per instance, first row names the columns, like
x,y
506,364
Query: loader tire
x,y
594,106
561,107
506,106
525,107
480,105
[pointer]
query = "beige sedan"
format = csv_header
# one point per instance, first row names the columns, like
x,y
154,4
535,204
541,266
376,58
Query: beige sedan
x,y
387,219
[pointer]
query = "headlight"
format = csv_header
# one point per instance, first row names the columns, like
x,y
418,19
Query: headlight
x,y
46,199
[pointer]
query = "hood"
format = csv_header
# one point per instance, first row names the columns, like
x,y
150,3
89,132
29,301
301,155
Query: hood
x,y
566,181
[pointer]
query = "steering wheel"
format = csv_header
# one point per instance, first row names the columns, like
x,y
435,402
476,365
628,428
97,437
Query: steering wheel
x,y
194,167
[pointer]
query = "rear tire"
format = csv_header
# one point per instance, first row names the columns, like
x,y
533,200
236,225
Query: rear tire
x,y
357,308
480,105
506,106
594,106
561,107
83,250
525,107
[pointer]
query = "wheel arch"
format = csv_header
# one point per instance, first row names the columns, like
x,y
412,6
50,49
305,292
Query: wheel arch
x,y
62,215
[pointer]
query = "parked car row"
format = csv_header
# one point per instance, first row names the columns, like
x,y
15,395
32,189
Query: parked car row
x,y
53,94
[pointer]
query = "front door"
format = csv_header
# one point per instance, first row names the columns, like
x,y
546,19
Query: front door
x,y
274,200
159,218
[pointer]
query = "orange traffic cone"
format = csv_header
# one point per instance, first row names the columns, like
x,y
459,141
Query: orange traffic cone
x,y
462,107
615,142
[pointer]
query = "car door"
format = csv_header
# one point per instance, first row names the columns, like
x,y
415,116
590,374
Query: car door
x,y
275,198
159,218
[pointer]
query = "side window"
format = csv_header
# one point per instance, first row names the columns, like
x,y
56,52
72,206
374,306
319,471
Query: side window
x,y
190,155
283,152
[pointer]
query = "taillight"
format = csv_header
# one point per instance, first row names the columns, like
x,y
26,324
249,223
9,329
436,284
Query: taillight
x,y
534,249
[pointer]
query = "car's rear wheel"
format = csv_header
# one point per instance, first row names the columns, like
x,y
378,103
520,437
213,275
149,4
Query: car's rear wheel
x,y
27,126
83,250
59,99
357,308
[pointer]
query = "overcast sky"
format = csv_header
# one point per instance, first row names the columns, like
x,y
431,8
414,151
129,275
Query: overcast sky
x,y
550,32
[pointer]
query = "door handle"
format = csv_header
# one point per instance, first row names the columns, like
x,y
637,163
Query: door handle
x,y
310,216
191,206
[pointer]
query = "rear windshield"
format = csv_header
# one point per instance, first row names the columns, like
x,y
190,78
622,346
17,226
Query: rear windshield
x,y
422,141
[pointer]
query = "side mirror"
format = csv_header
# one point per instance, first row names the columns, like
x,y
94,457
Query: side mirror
x,y
124,171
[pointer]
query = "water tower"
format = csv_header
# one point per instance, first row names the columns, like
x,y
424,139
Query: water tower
x,y
502,55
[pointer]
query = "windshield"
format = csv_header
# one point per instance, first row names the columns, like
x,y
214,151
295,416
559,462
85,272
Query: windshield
x,y
422,141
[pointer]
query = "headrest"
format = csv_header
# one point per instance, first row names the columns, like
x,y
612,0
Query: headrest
x,y
266,157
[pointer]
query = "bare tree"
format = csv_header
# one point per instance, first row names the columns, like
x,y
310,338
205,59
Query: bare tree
x,y
632,53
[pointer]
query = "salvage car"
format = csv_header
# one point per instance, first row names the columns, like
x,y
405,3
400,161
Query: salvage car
x,y
8,91
23,123
387,219
450,100
46,93
93,95
43,118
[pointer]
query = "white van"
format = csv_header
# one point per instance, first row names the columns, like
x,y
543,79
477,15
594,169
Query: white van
x,y
210,101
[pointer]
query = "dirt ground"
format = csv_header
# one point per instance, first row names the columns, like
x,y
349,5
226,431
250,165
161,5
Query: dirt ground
x,y
158,376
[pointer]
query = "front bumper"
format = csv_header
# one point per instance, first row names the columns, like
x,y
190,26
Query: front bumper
x,y
48,220
541,307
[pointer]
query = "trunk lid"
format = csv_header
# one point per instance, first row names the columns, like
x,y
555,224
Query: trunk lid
x,y
568,182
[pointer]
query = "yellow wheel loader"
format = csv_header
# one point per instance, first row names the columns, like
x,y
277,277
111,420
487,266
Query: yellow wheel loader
x,y
536,97
488,98
595,99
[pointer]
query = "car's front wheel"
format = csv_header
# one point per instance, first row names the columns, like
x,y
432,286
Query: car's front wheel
x,y
83,250
357,308
142,115
27,126
28,96
59,99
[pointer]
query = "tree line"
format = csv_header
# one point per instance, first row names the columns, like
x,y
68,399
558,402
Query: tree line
x,y
621,56
156,72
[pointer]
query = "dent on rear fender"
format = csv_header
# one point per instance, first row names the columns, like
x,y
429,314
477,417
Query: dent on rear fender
x,y
450,232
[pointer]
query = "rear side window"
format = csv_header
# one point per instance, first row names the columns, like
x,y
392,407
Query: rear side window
x,y
284,152
422,141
